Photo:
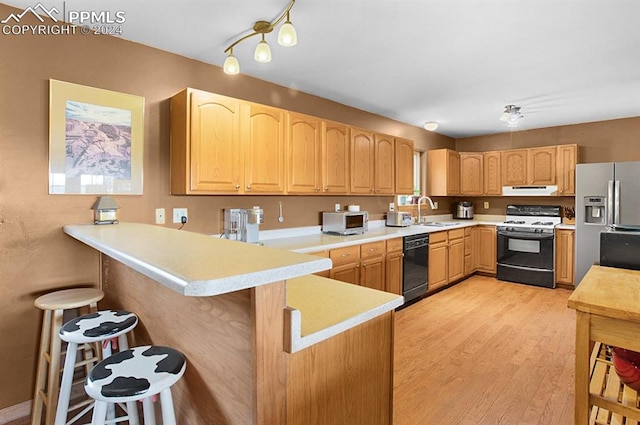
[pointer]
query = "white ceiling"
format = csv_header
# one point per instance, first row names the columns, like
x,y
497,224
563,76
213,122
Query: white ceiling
x,y
457,62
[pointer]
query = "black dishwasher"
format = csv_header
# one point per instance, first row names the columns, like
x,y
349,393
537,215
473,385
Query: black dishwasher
x,y
415,266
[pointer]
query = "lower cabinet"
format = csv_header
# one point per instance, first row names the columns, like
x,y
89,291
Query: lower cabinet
x,y
372,262
565,240
346,264
471,249
487,249
393,266
446,258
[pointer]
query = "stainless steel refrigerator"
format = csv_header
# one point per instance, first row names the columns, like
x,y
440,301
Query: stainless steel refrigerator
x,y
606,194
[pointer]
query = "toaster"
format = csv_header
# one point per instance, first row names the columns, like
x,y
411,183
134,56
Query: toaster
x,y
398,219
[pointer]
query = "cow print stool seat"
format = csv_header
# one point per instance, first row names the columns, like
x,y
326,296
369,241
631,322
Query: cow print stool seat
x,y
106,327
136,374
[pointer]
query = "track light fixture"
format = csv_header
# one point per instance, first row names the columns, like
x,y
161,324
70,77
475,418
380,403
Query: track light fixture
x,y
511,115
287,36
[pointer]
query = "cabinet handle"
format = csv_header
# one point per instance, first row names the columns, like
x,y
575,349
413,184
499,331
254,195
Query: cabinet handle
x,y
248,187
317,189
377,190
237,187
326,188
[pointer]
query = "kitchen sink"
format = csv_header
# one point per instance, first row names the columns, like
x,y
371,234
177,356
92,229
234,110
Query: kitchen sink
x,y
439,224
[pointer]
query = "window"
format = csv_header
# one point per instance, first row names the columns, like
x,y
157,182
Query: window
x,y
417,155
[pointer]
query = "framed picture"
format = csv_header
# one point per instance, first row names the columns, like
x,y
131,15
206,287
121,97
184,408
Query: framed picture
x,y
95,140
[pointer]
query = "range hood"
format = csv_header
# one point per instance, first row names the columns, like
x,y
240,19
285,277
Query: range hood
x,y
529,190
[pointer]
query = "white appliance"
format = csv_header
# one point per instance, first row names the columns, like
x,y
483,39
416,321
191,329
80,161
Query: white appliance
x,y
607,195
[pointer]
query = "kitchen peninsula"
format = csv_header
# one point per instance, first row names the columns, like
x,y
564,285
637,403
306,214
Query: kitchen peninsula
x,y
266,343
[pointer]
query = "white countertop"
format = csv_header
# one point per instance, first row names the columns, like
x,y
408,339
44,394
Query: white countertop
x,y
309,240
194,264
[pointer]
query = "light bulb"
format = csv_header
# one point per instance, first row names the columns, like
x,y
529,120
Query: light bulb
x,y
263,51
431,126
287,35
231,65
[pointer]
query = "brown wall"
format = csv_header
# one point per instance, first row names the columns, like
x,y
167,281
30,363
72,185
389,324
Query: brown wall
x,y
35,256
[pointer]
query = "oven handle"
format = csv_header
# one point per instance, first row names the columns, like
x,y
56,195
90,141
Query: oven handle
x,y
526,236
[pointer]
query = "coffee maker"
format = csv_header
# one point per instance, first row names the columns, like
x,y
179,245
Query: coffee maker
x,y
243,224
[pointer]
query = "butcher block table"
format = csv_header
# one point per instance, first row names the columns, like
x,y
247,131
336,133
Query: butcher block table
x,y
607,304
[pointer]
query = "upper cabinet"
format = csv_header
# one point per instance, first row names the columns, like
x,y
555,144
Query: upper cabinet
x,y
264,149
384,164
336,168
304,154
566,169
404,166
222,145
514,167
471,176
206,144
541,166
491,176
443,172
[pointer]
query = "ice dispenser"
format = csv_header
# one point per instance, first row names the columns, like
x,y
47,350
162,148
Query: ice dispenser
x,y
594,209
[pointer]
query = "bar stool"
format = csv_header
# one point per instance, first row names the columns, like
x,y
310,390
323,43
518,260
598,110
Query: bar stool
x,y
48,375
106,327
136,374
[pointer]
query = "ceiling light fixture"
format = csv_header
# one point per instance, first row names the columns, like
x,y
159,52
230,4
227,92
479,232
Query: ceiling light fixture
x,y
431,126
511,115
287,36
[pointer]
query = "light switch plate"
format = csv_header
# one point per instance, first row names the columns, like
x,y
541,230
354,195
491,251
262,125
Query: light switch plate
x,y
486,205
159,215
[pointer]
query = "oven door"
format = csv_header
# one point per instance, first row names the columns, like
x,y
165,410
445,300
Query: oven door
x,y
526,258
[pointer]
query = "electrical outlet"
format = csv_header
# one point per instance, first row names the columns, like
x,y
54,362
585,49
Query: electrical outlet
x,y
435,204
159,215
178,213
486,205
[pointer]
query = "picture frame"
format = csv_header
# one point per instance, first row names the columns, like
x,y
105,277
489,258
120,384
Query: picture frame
x,y
96,140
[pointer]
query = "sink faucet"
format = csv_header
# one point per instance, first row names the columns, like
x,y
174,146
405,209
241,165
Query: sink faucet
x,y
431,204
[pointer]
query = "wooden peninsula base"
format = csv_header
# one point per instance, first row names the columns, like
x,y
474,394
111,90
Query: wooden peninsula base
x,y
238,372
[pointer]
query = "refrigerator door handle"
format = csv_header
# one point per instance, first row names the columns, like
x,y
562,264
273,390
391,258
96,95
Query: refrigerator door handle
x,y
609,202
616,202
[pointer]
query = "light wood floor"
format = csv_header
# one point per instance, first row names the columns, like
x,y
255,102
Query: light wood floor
x,y
485,352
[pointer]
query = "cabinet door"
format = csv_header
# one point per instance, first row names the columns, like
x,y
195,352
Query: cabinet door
x,y
384,164
514,167
362,162
487,257
443,172
564,256
372,273
349,273
566,169
491,173
304,154
404,166
335,158
393,272
264,144
216,149
453,172
438,265
471,164
541,166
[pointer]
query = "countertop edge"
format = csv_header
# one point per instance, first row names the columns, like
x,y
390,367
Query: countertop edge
x,y
298,342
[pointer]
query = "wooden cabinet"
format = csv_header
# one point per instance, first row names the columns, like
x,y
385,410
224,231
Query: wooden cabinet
x,y
362,161
565,239
438,260
487,255
384,175
471,249
514,167
264,149
346,264
471,174
372,262
304,154
456,255
443,172
393,266
206,144
541,166
491,173
404,166
566,160
336,168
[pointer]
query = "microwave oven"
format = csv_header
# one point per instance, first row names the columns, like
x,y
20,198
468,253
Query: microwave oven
x,y
345,222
